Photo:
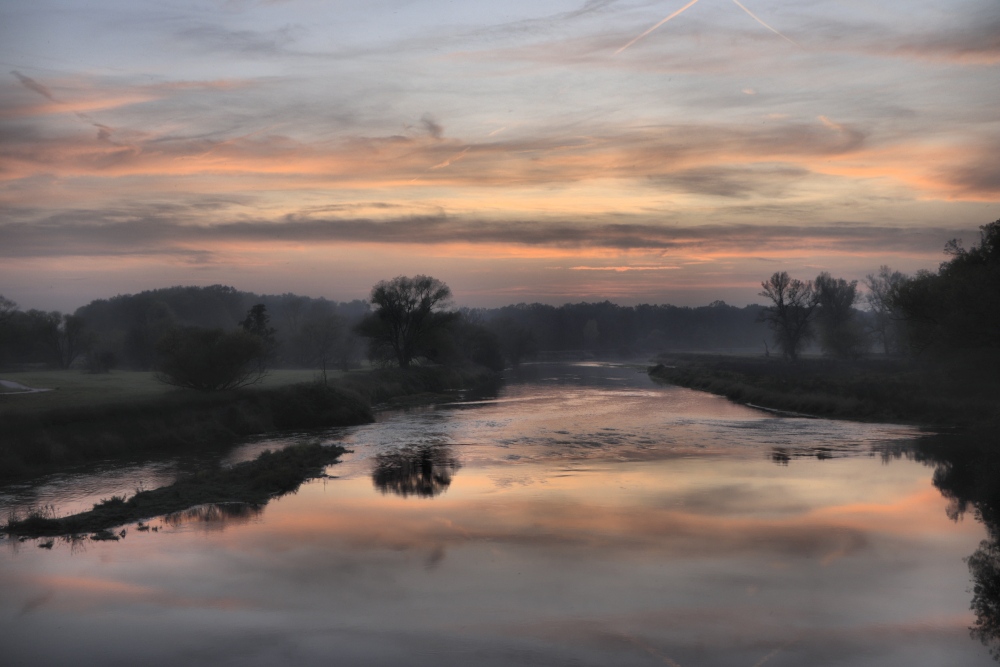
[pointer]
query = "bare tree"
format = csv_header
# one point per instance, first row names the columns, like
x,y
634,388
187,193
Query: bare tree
x,y
840,333
7,308
883,294
790,315
208,359
324,337
407,315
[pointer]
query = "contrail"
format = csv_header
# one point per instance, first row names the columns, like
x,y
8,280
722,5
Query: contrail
x,y
664,21
755,18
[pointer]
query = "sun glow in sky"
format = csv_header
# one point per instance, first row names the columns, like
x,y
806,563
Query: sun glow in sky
x,y
519,151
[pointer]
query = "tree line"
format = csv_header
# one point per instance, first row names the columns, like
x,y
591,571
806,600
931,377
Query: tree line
x,y
952,313
410,319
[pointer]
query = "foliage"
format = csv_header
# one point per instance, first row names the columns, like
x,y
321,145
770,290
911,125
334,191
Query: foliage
x,y
957,310
517,342
841,333
209,359
882,298
407,322
35,336
790,315
130,325
145,419
257,323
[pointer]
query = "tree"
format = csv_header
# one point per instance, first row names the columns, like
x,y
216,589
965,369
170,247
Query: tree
x,y
208,359
7,309
840,333
256,323
882,297
790,315
958,308
323,336
516,342
407,317
60,338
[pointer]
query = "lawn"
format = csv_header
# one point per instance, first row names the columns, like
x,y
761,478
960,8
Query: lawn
x,y
76,389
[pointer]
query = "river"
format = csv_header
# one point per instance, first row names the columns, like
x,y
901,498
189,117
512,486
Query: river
x,y
583,516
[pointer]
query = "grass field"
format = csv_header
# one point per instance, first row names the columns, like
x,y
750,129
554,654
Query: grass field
x,y
76,389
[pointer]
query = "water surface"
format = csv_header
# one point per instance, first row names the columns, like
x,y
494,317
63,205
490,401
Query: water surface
x,y
585,516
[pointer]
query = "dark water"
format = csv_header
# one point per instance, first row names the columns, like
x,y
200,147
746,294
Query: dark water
x,y
584,516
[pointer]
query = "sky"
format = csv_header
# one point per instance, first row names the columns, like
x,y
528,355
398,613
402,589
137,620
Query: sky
x,y
570,150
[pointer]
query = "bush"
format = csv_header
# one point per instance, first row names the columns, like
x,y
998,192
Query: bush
x,y
209,359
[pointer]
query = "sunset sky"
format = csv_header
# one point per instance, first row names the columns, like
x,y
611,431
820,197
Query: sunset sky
x,y
520,151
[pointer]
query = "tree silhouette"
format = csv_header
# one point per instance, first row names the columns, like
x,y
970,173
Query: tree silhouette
x,y
840,333
258,323
208,359
790,315
406,317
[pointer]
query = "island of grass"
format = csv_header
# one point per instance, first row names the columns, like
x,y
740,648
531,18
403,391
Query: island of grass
x,y
959,394
252,483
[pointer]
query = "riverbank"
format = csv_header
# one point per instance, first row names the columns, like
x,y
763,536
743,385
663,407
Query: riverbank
x,y
943,395
150,422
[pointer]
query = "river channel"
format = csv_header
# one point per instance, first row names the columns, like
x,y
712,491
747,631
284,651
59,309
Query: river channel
x,y
582,516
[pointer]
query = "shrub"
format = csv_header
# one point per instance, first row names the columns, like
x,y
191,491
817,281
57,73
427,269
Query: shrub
x,y
209,359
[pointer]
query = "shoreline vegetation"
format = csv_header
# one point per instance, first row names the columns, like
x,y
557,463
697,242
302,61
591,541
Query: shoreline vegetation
x,y
39,440
252,483
177,422
955,395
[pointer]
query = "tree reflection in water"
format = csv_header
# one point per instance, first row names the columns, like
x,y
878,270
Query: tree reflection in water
x,y
417,470
967,472
215,515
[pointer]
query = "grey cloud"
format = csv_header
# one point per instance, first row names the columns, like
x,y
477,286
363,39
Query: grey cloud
x,y
432,126
246,42
732,182
981,175
31,84
978,41
162,231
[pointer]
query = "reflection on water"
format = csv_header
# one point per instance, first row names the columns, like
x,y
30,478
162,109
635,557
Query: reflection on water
x,y
423,471
215,516
967,472
591,518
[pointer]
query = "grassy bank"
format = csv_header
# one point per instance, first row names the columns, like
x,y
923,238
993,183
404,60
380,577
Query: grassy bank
x,y
954,395
131,416
252,483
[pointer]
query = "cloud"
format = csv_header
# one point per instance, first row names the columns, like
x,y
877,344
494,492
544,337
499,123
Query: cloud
x,y
218,39
432,126
176,231
979,176
31,84
974,43
548,156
